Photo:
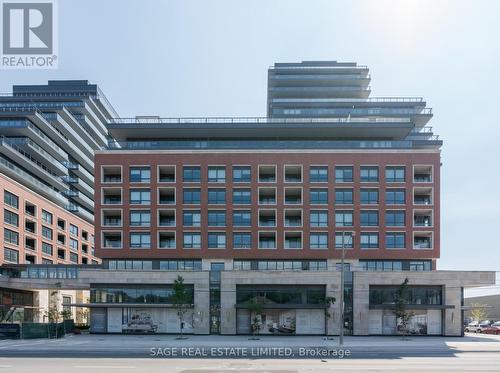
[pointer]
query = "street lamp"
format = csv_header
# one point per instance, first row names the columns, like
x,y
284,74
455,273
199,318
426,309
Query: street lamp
x,y
341,322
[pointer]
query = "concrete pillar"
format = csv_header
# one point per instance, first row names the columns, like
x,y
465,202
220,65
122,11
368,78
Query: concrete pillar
x,y
228,307
360,306
332,322
201,316
452,319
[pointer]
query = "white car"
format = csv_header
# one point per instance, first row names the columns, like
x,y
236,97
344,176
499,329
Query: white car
x,y
473,327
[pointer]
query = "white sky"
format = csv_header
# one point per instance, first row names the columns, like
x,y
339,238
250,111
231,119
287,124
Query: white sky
x,y
209,58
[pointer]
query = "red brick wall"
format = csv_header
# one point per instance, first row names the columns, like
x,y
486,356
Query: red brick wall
x,y
25,194
356,159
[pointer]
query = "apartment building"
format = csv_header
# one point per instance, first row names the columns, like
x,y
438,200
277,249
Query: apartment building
x,y
48,135
261,211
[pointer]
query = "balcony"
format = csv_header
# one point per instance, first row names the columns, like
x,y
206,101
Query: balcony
x,y
422,174
293,218
112,218
422,240
30,226
166,174
267,196
267,218
111,196
166,240
267,240
293,240
111,174
422,196
293,196
166,218
422,218
30,243
112,240
293,174
166,196
267,174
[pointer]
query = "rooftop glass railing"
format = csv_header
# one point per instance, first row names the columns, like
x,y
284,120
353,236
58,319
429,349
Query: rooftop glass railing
x,y
262,144
254,120
320,76
371,99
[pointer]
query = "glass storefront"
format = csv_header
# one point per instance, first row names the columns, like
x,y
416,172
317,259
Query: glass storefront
x,y
422,322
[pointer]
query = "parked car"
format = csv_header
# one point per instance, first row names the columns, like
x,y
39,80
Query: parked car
x,y
492,329
472,327
483,325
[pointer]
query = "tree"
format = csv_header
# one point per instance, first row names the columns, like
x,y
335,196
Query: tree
x,y
181,300
401,300
478,312
329,301
254,305
53,315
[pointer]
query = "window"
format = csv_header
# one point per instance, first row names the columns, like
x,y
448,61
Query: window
x,y
140,197
191,174
241,196
395,197
140,240
318,241
319,218
47,217
216,240
73,257
369,240
343,196
192,240
395,218
242,218
318,196
11,218
47,232
369,218
66,301
369,174
10,255
242,240
344,238
73,244
343,174
369,196
191,196
73,229
343,219
10,237
47,248
10,199
140,175
420,266
242,174
395,174
216,218
216,174
216,196
395,240
191,218
318,174
140,218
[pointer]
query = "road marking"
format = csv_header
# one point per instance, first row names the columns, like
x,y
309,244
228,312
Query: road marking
x,y
104,367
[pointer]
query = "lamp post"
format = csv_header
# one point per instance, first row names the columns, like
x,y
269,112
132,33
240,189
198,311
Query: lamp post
x,y
341,323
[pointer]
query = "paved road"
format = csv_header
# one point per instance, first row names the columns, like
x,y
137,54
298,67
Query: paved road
x,y
133,354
